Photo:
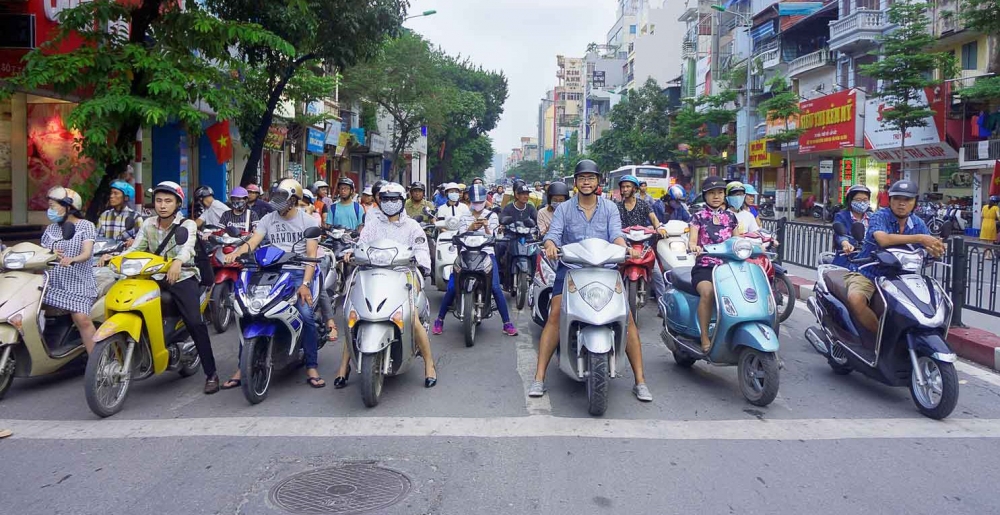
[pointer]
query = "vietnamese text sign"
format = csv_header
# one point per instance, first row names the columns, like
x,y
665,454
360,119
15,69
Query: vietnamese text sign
x,y
315,140
830,123
760,157
920,143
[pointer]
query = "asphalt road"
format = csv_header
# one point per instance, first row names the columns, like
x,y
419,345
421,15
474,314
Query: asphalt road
x,y
476,444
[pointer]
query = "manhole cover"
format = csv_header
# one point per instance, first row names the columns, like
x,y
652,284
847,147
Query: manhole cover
x,y
354,488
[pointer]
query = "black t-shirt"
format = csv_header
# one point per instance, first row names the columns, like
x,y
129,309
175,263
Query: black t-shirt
x,y
639,215
519,215
239,221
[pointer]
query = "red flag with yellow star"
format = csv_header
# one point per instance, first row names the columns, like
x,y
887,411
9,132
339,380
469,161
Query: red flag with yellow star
x,y
995,183
222,143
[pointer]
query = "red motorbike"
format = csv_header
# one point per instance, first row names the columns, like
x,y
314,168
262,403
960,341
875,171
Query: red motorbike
x,y
638,272
781,285
220,306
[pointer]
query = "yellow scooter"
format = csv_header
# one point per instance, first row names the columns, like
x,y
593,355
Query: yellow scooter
x,y
36,340
142,337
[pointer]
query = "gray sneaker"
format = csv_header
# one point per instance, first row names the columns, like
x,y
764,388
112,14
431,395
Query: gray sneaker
x,y
642,392
537,389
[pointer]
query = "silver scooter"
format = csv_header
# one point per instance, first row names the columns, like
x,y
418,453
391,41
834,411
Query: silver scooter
x,y
379,313
594,317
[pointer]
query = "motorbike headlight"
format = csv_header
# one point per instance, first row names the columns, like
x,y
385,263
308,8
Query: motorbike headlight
x,y
596,295
133,267
154,269
474,240
16,260
911,262
453,223
743,249
381,257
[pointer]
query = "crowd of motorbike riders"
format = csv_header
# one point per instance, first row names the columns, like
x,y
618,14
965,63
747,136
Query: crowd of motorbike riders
x,y
559,214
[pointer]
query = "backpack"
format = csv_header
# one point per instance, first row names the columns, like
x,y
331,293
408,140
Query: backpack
x,y
332,213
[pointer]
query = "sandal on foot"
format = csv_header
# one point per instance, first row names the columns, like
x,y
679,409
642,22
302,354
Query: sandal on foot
x,y
232,383
315,382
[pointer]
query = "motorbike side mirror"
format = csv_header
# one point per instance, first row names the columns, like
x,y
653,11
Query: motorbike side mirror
x,y
507,220
312,233
130,221
428,211
68,231
419,219
858,231
840,229
530,224
233,231
181,236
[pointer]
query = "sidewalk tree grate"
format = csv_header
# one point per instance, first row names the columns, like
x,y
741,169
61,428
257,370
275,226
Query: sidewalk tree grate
x,y
344,489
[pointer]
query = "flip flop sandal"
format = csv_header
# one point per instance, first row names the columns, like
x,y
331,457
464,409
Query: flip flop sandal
x,y
232,383
315,382
4,433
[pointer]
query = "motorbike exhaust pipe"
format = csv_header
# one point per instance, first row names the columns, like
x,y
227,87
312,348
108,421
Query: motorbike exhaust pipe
x,y
817,341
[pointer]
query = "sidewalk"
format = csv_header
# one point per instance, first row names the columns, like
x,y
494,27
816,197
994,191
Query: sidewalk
x,y
974,342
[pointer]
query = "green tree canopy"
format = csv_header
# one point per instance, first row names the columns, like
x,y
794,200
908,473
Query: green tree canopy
x,y
691,132
640,129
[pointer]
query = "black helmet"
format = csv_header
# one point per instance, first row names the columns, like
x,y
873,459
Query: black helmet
x,y
417,185
557,188
903,188
202,192
713,183
857,188
378,186
346,181
586,166
521,188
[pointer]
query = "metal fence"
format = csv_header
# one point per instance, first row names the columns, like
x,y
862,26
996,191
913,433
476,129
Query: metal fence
x,y
800,244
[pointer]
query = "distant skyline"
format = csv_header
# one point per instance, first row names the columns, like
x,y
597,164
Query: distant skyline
x,y
521,38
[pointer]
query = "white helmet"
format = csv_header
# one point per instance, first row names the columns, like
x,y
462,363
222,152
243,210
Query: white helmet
x,y
367,191
391,198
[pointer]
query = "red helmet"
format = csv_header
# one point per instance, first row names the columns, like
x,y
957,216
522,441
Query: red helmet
x,y
171,187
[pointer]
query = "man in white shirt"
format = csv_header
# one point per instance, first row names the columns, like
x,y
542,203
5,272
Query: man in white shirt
x,y
212,208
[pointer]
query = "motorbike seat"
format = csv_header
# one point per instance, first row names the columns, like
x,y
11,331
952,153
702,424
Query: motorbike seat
x,y
838,288
681,279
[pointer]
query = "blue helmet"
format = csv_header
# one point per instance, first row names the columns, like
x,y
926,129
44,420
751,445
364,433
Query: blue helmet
x,y
477,193
125,188
676,192
628,178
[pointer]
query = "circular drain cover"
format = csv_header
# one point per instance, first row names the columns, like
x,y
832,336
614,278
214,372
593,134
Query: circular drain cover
x,y
353,488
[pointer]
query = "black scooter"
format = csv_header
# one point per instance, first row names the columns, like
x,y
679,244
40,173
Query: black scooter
x,y
519,263
473,283
914,315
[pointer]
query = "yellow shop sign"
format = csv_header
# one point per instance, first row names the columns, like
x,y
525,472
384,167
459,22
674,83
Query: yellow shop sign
x,y
760,157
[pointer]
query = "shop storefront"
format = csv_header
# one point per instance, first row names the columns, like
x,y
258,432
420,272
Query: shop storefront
x,y
831,159
764,165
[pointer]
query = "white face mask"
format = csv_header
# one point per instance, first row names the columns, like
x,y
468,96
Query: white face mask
x,y
454,197
391,207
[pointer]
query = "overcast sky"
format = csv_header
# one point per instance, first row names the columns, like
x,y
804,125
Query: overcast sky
x,y
520,37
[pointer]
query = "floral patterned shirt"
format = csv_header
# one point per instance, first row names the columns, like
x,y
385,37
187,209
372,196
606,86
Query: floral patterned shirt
x,y
714,226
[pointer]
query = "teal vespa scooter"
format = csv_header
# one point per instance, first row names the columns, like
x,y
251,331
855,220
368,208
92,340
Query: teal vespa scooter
x,y
744,329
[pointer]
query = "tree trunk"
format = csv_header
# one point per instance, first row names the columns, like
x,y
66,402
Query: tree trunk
x,y
902,154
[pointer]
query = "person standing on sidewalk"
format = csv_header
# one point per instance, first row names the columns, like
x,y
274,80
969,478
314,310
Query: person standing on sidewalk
x,y
798,201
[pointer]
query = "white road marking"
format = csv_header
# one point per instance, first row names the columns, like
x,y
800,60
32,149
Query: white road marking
x,y
527,361
980,373
508,427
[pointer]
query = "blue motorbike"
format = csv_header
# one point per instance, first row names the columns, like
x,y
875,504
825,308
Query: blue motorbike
x,y
520,259
743,330
270,325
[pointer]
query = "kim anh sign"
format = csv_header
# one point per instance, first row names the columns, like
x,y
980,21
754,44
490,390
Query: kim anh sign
x,y
831,123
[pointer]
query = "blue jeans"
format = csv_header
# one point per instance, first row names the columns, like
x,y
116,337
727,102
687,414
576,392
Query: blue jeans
x,y
449,296
309,336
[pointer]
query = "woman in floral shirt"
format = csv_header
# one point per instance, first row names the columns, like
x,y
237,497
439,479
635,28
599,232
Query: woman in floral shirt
x,y
714,224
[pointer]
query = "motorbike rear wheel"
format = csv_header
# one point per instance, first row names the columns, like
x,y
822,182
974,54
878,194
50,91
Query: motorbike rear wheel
x,y
222,314
7,375
522,289
683,359
598,377
255,371
372,378
469,324
784,296
106,381
938,397
758,376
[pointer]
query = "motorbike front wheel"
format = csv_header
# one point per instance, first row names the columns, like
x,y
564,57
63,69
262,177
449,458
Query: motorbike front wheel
x,y
469,324
938,396
222,314
758,373
784,296
107,380
7,375
255,370
372,379
522,289
598,377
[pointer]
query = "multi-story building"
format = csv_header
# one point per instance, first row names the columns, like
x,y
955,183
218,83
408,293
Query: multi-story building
x,y
569,102
657,28
605,78
529,148
546,115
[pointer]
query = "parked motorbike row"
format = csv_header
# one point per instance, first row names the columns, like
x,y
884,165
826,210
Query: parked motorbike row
x,y
140,333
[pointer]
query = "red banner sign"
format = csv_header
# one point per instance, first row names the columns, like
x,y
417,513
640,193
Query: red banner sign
x,y
831,122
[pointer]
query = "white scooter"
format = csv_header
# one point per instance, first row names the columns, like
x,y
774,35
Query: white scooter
x,y
445,251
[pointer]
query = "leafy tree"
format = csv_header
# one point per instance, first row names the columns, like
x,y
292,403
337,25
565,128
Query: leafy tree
x,y
984,16
472,158
530,171
693,124
143,64
640,129
782,107
906,68
326,35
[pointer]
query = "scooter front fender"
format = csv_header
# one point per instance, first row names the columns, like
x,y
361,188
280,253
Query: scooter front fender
x,y
756,335
931,345
8,335
635,272
258,329
374,336
597,339
125,322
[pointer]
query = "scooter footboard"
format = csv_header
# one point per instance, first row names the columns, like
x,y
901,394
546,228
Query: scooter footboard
x,y
756,335
597,339
374,336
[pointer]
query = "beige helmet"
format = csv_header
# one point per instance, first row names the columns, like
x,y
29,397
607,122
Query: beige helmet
x,y
285,195
66,197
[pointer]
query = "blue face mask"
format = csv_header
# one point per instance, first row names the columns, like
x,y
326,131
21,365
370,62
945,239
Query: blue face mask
x,y
860,206
453,197
54,216
736,201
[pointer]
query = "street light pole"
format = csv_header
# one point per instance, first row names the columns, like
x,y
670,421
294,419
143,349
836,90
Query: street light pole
x,y
421,15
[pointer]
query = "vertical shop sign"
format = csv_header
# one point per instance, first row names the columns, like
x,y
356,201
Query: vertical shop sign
x,y
846,177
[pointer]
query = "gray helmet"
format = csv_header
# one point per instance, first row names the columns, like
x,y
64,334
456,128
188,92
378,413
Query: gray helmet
x,y
903,188
586,166
857,188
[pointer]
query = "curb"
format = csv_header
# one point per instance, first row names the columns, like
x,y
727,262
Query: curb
x,y
973,344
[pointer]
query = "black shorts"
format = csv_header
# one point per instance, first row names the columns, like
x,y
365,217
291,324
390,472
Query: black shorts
x,y
701,273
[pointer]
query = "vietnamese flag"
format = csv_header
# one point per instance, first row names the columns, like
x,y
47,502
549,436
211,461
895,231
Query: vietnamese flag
x,y
222,143
995,182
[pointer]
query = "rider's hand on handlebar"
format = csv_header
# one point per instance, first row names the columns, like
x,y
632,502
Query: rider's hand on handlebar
x,y
347,256
232,256
634,253
551,252
933,245
174,272
697,249
847,247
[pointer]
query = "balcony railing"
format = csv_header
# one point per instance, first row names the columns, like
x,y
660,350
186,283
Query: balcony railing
x,y
981,150
770,58
863,24
808,62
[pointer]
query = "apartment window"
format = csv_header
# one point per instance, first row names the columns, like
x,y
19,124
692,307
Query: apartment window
x,y
631,29
970,56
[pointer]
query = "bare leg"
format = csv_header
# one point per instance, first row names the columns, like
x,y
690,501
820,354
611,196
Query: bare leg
x,y
860,309
549,340
86,328
424,344
345,359
707,292
633,349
